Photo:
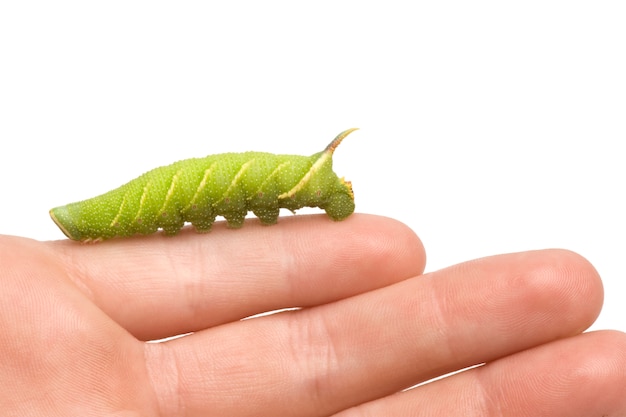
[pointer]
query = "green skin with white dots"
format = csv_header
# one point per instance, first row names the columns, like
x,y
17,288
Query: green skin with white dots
x,y
199,189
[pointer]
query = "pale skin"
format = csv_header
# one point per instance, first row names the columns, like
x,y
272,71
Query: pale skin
x,y
75,318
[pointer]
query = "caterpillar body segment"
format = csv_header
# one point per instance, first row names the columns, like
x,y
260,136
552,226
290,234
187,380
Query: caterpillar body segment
x,y
197,190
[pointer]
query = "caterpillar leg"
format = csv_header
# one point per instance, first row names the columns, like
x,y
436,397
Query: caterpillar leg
x,y
202,218
172,229
235,219
267,216
203,226
171,223
339,207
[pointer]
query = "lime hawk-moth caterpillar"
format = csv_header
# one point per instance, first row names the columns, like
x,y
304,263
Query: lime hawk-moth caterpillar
x,y
199,189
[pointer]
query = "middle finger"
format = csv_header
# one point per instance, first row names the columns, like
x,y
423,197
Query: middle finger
x,y
324,359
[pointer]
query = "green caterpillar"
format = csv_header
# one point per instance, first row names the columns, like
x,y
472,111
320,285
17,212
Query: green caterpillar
x,y
199,189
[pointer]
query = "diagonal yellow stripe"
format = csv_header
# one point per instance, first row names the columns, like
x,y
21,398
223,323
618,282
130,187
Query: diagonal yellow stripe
x,y
236,178
170,191
314,168
201,186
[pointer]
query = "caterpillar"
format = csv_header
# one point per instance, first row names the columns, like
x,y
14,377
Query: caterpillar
x,y
197,190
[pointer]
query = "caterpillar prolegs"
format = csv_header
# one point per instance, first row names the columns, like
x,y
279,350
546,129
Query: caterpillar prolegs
x,y
197,190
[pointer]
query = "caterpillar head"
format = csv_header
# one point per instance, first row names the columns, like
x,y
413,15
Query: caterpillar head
x,y
341,203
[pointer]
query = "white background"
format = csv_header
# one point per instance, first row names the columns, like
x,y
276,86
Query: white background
x,y
487,127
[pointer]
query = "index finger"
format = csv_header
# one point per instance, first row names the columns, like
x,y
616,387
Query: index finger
x,y
157,287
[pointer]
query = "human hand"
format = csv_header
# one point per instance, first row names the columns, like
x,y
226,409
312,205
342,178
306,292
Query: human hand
x,y
75,319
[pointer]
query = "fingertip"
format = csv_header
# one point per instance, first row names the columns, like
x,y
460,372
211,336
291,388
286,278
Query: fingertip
x,y
576,280
394,240
549,285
